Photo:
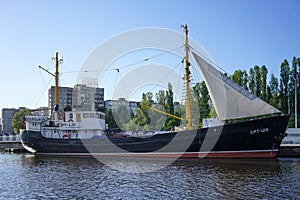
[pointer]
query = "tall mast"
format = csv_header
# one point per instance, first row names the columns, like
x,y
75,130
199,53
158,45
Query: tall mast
x,y
57,62
56,75
187,80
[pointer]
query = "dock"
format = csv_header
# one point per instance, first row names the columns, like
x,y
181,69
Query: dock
x,y
290,145
11,143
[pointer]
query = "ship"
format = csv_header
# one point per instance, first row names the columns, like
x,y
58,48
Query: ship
x,y
83,133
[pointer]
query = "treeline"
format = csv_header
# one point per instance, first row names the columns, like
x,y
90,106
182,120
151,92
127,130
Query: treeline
x,y
278,91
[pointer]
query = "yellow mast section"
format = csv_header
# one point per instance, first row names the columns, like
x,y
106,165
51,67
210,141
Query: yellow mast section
x,y
57,62
187,80
159,111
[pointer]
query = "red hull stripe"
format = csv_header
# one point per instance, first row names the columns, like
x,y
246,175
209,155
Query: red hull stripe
x,y
215,154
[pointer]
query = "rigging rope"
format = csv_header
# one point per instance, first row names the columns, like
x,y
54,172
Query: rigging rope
x,y
210,61
131,64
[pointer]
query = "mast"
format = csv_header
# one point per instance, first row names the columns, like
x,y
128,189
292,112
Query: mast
x,y
57,62
56,86
56,75
187,79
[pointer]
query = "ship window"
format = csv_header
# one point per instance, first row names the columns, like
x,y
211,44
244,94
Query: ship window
x,y
78,117
85,115
71,115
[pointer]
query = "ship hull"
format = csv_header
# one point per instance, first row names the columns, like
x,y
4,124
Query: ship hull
x,y
259,138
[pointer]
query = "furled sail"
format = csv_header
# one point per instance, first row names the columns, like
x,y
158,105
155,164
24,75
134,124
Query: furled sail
x,y
230,100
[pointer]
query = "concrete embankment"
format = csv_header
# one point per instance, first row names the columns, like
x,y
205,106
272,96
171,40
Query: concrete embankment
x,y
11,143
290,146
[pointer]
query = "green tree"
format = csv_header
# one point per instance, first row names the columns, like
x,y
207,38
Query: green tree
x,y
241,78
257,81
263,82
252,81
269,94
171,122
17,121
169,106
202,98
160,97
110,120
293,86
237,77
122,115
274,91
284,84
245,80
141,117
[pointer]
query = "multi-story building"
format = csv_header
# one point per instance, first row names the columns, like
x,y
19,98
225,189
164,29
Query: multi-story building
x,y
87,98
7,117
0,126
115,104
42,111
65,100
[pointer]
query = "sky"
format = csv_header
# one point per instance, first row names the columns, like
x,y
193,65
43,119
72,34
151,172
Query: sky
x,y
237,34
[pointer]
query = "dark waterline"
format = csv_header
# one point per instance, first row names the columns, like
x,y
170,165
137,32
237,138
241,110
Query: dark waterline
x,y
25,176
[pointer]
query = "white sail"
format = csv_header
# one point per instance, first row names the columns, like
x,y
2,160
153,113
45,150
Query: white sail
x,y
230,100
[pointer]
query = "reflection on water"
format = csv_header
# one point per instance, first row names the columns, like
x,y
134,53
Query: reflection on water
x,y
40,177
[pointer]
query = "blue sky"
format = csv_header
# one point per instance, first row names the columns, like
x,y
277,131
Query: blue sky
x,y
237,34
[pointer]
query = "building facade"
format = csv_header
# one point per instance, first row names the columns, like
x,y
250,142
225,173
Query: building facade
x,y
115,104
7,117
87,98
65,100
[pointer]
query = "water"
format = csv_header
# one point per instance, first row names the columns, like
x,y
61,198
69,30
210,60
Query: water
x,y
25,176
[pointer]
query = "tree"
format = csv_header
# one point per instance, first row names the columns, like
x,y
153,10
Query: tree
x,y
141,117
202,97
169,107
257,79
263,82
241,78
122,115
274,91
160,97
245,80
110,120
252,81
284,84
237,77
17,121
293,87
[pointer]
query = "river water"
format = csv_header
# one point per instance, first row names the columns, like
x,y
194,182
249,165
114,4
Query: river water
x,y
24,176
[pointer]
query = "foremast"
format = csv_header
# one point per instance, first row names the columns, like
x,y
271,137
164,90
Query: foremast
x,y
56,75
57,62
187,80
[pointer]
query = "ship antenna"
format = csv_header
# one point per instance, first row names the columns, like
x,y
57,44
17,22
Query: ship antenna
x,y
187,79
